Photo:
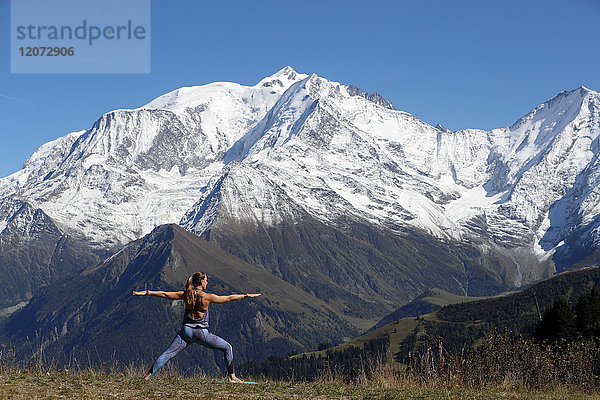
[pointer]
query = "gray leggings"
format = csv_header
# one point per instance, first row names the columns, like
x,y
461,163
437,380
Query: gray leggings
x,y
201,336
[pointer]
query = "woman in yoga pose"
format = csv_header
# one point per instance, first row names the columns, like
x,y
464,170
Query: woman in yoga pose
x,y
195,321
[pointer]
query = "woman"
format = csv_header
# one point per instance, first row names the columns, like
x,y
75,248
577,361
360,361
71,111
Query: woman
x,y
195,321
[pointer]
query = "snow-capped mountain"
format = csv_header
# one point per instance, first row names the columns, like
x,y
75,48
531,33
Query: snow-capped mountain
x,y
521,188
137,169
296,145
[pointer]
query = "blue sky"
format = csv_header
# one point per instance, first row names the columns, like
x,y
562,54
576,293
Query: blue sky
x,y
462,63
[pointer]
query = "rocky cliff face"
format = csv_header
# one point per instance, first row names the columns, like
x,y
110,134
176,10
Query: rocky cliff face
x,y
34,252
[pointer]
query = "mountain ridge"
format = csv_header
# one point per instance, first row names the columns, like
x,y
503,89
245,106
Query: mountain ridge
x,y
522,197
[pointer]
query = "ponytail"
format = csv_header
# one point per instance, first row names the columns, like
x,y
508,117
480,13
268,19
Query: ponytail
x,y
190,295
192,282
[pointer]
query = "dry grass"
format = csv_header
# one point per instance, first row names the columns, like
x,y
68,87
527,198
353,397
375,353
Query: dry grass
x,y
504,362
501,369
70,385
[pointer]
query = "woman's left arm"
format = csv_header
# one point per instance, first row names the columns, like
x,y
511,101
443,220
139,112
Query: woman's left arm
x,y
213,298
160,293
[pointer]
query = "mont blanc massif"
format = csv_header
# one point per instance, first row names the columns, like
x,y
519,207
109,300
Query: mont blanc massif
x,y
337,207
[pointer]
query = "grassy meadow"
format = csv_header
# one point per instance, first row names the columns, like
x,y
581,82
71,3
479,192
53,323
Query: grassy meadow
x,y
91,385
379,381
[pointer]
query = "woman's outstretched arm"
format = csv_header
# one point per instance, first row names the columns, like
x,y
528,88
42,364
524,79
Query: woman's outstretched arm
x,y
213,298
160,293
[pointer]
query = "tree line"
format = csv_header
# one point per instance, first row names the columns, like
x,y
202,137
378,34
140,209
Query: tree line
x,y
561,321
348,364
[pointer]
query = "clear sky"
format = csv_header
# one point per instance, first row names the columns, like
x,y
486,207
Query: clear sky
x,y
461,63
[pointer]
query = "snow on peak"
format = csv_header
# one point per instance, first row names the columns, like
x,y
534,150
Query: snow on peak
x,y
569,100
191,96
584,91
281,79
554,114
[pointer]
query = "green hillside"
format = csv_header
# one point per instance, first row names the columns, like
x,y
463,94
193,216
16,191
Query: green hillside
x,y
428,302
441,298
402,322
461,323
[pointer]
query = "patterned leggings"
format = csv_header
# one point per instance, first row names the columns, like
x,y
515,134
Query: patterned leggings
x,y
201,336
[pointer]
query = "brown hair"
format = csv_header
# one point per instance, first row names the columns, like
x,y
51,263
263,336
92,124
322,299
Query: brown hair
x,y
192,282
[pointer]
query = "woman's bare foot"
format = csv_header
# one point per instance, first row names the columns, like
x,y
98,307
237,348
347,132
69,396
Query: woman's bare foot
x,y
234,379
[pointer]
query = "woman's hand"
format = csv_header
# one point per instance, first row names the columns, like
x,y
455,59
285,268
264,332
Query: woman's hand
x,y
252,294
140,293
